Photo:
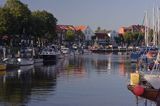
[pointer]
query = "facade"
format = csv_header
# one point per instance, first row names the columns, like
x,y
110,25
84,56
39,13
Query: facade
x,y
62,31
101,38
123,30
87,31
132,28
112,35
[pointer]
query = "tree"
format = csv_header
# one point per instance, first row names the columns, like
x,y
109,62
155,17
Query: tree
x,y
44,24
117,39
70,36
21,14
6,22
80,35
128,38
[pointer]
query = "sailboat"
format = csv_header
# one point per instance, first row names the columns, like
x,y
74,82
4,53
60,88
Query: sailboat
x,y
153,77
149,83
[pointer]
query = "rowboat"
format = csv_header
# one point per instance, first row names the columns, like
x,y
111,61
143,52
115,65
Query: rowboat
x,y
149,93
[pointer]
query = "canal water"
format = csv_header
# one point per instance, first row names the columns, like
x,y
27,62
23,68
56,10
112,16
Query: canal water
x,y
77,80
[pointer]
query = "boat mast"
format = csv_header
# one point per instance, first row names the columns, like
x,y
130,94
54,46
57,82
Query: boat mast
x,y
146,28
154,28
156,24
158,27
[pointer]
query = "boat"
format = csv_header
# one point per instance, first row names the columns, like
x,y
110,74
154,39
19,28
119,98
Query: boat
x,y
2,67
25,61
50,54
140,87
11,63
134,57
26,57
64,50
149,93
37,58
153,76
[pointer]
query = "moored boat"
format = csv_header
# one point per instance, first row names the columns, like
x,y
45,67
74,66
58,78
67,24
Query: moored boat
x,y
134,57
149,93
153,76
50,54
2,67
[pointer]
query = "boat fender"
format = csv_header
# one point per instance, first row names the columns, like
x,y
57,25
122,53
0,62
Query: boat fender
x,y
138,90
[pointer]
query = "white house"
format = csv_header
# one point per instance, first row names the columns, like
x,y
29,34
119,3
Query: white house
x,y
112,35
87,31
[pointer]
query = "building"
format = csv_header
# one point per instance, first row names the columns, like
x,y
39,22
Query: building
x,y
132,28
123,30
101,38
112,35
87,31
61,31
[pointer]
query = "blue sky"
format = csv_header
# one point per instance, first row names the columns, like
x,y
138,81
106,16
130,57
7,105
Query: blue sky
x,y
108,14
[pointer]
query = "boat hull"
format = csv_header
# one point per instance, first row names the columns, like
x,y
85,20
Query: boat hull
x,y
12,66
26,61
2,67
149,93
49,59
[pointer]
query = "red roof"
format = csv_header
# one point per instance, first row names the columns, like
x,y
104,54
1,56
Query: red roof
x,y
65,27
81,27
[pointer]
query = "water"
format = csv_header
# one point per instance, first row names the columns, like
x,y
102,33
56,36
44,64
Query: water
x,y
84,80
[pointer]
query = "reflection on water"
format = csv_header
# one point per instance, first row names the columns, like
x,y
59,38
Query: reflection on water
x,y
19,87
81,80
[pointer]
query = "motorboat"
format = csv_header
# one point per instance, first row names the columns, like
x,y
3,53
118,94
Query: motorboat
x,y
50,54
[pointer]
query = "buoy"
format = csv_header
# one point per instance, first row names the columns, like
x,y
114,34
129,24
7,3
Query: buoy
x,y
138,90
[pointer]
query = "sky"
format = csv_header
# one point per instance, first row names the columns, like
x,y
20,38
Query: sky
x,y
107,14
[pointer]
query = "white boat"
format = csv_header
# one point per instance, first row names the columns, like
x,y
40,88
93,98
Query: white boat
x,y
64,50
153,77
50,54
26,57
25,61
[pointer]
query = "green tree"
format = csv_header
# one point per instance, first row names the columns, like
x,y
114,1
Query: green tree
x,y
70,35
6,22
80,35
127,38
117,40
21,14
44,25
